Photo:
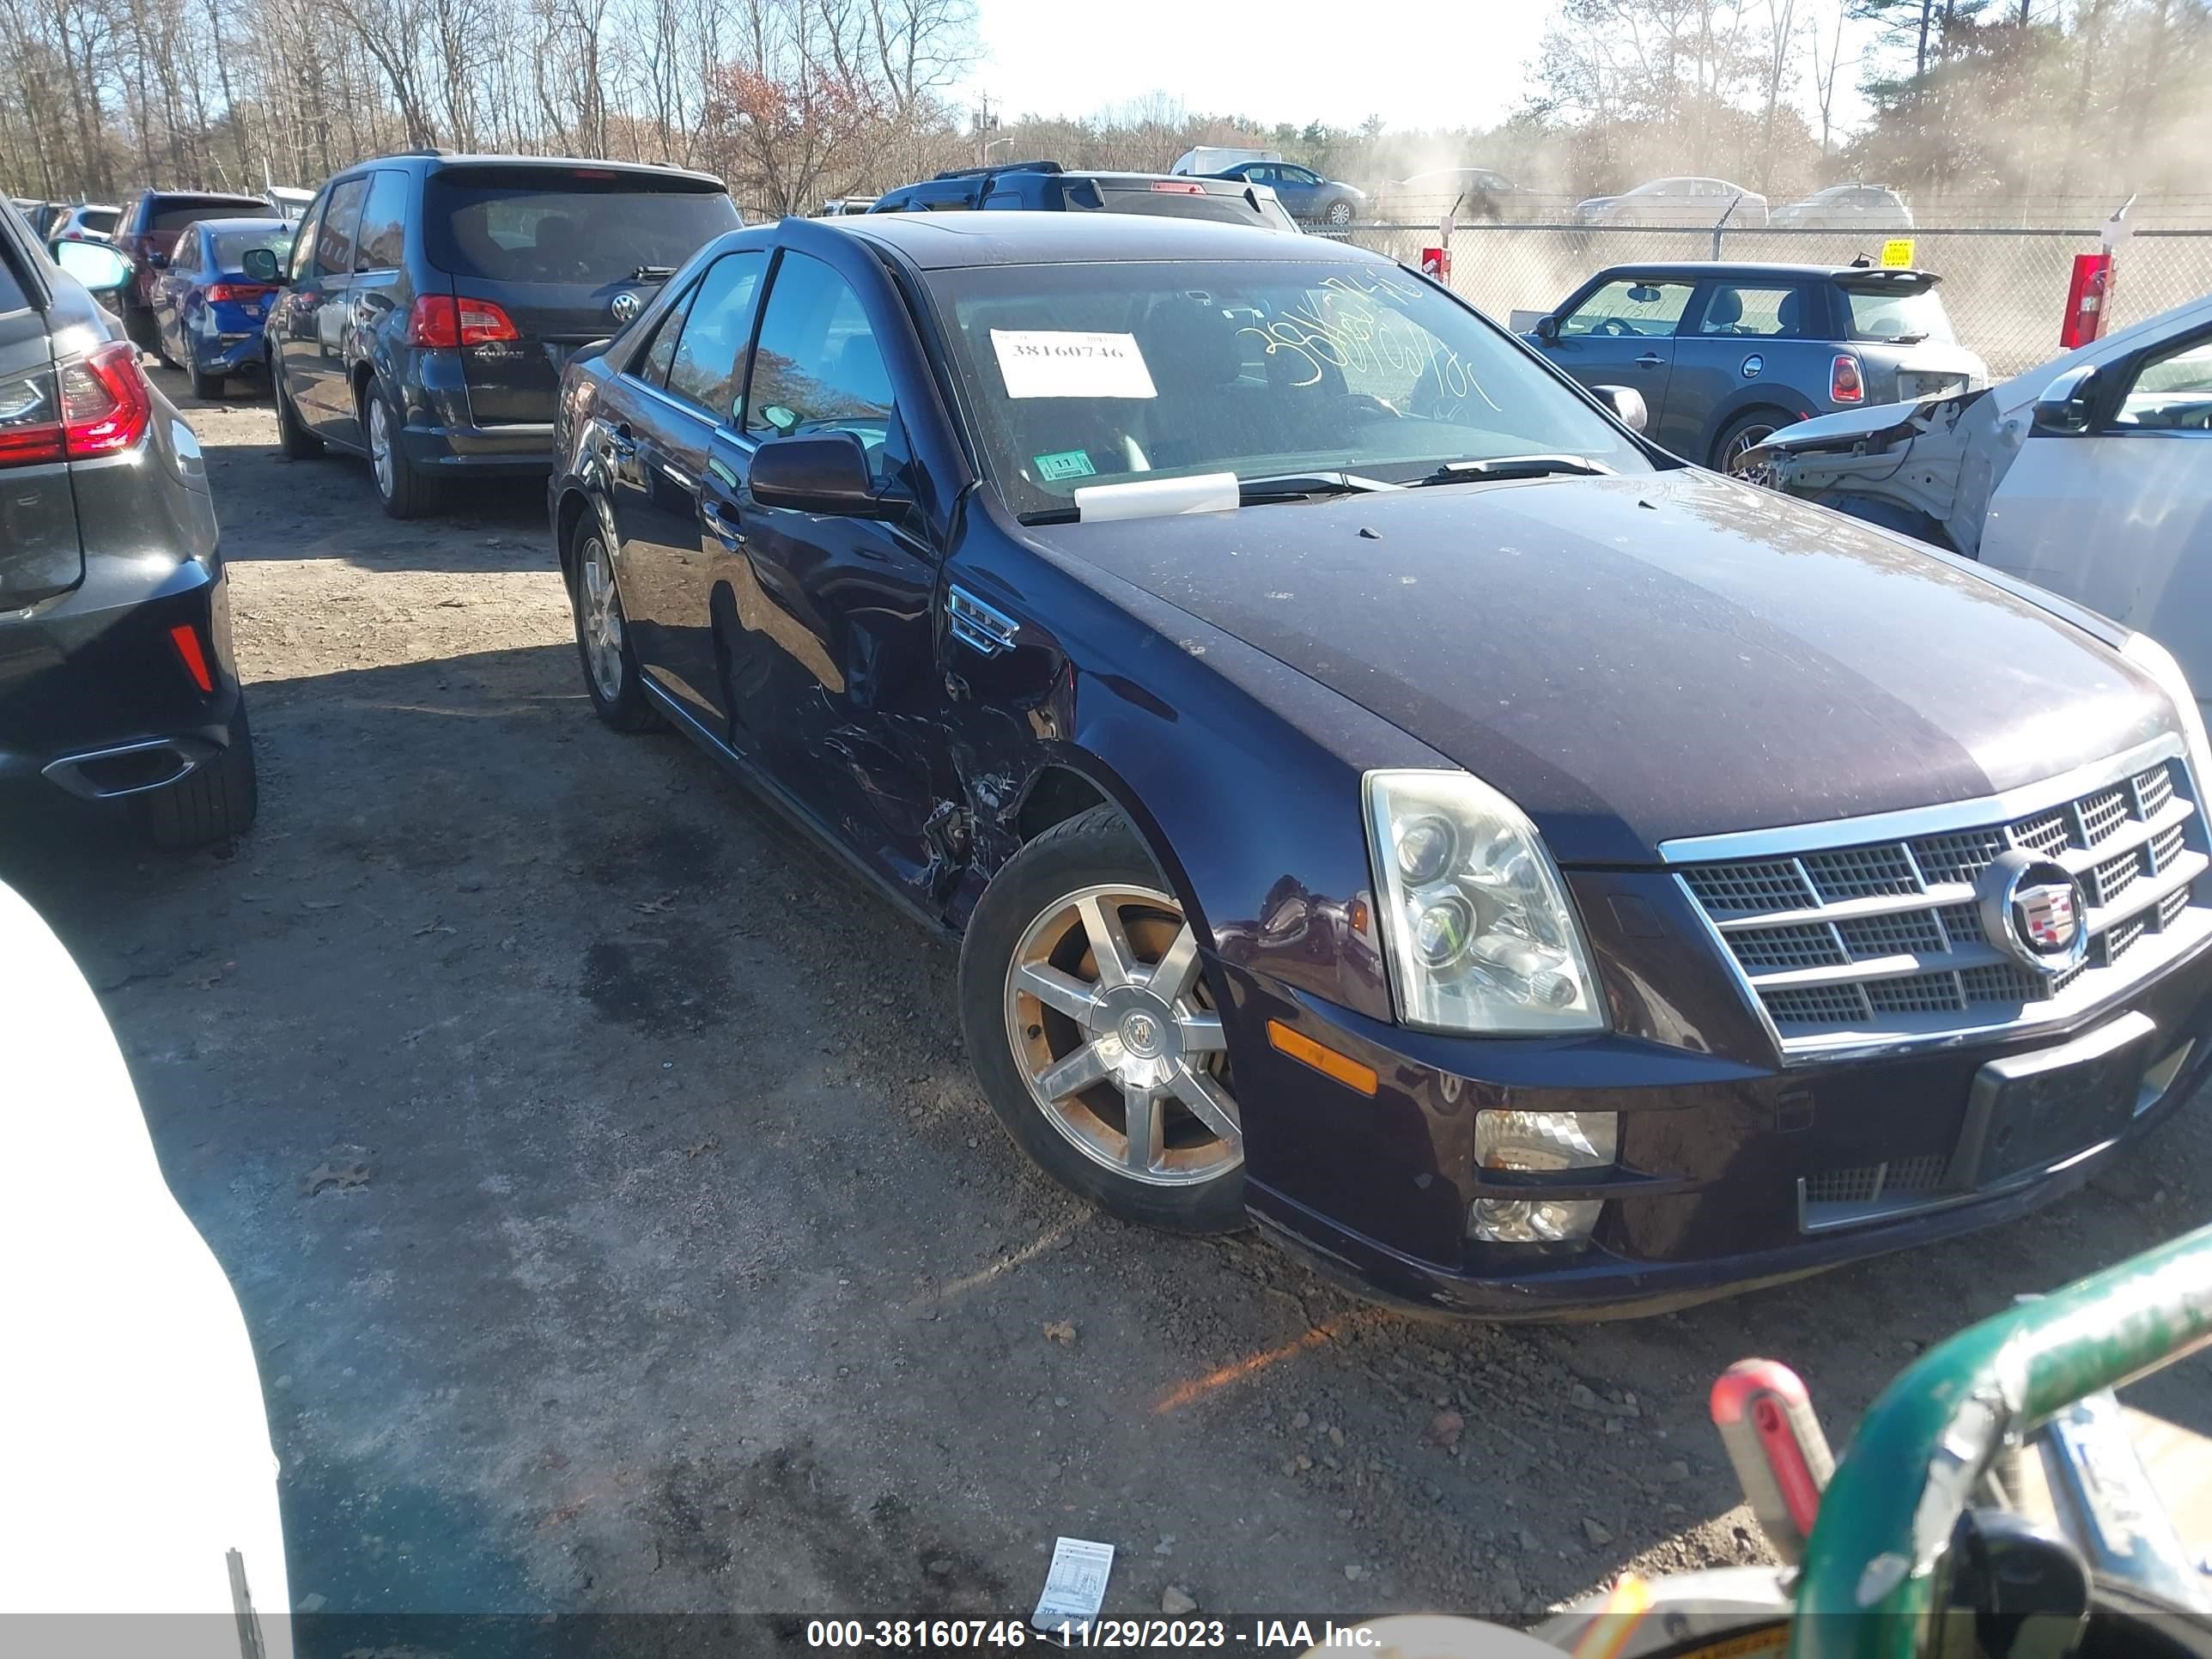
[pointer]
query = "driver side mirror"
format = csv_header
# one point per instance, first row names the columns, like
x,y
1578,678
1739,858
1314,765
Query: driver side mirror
x,y
98,267
1547,328
2065,406
1626,403
260,263
826,474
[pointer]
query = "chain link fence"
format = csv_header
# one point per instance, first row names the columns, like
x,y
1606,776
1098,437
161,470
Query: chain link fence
x,y
2004,289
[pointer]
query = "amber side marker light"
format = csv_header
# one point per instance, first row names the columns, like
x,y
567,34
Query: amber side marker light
x,y
1329,1063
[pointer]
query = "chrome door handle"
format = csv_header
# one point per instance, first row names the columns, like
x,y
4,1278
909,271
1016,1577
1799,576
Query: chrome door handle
x,y
722,519
1650,360
620,445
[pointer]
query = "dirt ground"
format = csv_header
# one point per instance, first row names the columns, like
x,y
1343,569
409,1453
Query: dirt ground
x,y
664,1256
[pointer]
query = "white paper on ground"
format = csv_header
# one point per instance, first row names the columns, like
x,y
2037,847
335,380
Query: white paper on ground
x,y
1074,1585
1157,498
1042,363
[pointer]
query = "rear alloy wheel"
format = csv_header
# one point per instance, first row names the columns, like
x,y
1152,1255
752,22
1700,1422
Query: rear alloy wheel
x,y
406,492
1095,1034
1738,441
602,641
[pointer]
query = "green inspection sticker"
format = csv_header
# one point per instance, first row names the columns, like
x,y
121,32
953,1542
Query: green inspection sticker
x,y
1068,464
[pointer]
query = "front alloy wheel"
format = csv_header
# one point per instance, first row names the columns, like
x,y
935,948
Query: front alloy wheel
x,y
1095,1033
1340,213
1108,1021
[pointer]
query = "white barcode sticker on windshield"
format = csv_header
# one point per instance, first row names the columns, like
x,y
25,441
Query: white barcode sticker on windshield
x,y
1039,362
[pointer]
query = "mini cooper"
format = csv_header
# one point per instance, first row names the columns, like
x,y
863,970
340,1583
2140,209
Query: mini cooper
x,y
1379,794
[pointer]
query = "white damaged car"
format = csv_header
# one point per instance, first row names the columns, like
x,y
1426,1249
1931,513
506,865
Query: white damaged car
x,y
2090,475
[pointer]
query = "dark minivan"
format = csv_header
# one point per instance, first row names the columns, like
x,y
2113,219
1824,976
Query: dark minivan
x,y
432,301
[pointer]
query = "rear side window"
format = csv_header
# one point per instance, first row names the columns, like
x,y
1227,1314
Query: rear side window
x,y
652,366
1898,314
175,212
334,247
100,219
590,226
704,368
1740,310
382,241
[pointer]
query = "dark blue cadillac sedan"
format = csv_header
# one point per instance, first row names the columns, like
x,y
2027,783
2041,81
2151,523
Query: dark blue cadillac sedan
x,y
1379,793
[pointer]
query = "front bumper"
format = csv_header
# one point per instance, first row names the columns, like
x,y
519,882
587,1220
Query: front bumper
x,y
1715,1153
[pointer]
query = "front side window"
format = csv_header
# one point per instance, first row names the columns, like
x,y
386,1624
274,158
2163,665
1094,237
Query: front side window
x,y
334,245
1086,374
818,367
1629,304
705,365
303,243
2171,392
1740,310
651,364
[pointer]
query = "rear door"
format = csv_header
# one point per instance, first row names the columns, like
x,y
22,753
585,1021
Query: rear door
x,y
1622,333
313,341
40,553
562,255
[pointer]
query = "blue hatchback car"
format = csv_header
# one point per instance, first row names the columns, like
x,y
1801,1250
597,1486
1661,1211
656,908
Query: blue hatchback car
x,y
207,311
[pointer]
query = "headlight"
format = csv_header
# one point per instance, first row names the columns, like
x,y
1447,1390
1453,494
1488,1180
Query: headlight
x,y
1479,933
2155,660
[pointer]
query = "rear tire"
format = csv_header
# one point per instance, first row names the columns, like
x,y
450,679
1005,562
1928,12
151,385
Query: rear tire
x,y
215,801
610,670
293,438
1121,1094
206,386
1746,432
405,490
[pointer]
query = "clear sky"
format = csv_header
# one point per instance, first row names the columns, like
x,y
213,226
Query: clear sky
x,y
1415,62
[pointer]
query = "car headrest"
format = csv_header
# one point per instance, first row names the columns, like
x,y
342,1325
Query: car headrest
x,y
1726,310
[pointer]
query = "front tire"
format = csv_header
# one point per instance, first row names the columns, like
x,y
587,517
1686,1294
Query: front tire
x,y
1338,213
213,802
611,672
406,491
1093,1030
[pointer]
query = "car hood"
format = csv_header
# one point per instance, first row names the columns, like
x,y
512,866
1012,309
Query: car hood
x,y
1638,658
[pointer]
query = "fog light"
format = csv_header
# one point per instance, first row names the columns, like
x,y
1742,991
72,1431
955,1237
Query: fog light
x,y
1541,1141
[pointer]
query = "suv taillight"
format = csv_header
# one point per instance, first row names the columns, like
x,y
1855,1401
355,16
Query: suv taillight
x,y
100,406
1845,385
440,319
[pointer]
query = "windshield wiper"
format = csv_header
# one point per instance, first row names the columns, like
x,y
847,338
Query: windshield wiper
x,y
1517,467
652,273
1296,486
1906,339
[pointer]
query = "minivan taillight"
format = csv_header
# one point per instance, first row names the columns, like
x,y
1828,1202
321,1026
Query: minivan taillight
x,y
1845,385
440,319
101,406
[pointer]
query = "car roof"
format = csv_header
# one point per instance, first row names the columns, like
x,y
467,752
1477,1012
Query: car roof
x,y
1694,271
946,241
202,195
433,160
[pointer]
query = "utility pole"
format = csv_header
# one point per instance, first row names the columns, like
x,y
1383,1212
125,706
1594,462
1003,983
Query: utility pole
x,y
984,122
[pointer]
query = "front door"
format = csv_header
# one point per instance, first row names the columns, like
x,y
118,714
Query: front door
x,y
314,334
1622,333
2119,517
826,639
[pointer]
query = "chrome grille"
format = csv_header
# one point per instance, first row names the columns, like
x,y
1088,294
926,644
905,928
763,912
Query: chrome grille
x,y
1855,941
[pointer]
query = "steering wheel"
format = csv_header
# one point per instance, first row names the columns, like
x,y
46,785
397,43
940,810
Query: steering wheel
x,y
1364,407
1613,328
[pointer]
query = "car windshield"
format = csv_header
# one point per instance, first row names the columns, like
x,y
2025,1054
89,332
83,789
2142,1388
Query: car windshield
x,y
1894,312
589,225
231,245
1087,374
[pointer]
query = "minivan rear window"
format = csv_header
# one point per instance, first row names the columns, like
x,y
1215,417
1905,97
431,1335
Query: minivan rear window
x,y
179,212
590,226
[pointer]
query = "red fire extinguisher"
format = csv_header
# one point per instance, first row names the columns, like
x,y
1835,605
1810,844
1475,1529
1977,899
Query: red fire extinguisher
x,y
2089,297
